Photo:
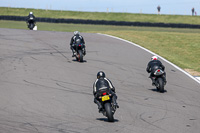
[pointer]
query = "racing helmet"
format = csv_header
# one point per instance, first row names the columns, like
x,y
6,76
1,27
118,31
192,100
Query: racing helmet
x,y
101,74
76,33
154,58
31,13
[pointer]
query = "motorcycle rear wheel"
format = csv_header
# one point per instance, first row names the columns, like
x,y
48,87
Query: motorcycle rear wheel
x,y
160,83
109,113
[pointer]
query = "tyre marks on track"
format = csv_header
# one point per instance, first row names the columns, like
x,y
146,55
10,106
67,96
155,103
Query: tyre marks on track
x,y
62,88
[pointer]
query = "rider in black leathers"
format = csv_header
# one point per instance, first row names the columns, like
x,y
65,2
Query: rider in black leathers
x,y
103,82
73,40
152,66
29,16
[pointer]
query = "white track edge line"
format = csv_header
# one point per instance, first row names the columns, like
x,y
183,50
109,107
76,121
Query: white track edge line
x,y
198,81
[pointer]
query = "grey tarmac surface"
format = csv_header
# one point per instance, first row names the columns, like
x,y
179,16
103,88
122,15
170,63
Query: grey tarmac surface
x,y
43,90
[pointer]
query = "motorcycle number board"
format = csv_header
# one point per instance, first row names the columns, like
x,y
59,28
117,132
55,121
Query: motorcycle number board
x,y
105,98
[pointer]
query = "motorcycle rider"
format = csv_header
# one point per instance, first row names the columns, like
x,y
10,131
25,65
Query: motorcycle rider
x,y
73,41
103,82
29,16
151,68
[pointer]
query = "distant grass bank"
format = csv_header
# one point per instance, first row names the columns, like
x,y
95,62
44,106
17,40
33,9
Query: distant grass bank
x,y
129,17
180,46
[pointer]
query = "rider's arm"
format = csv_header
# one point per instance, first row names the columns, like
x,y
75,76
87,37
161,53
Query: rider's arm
x,y
94,87
110,84
83,40
148,68
163,67
33,16
71,42
27,18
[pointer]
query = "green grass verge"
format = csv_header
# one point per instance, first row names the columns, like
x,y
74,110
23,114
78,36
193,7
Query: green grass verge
x,y
153,18
180,46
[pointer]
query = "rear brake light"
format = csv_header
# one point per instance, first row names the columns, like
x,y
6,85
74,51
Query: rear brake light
x,y
79,45
104,93
158,70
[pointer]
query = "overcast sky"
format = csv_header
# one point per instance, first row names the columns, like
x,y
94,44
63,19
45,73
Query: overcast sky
x,y
182,7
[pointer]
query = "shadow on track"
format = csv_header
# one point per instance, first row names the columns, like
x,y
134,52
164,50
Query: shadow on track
x,y
106,120
74,60
154,89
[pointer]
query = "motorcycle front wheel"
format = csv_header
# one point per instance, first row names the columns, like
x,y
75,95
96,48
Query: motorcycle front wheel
x,y
80,52
31,26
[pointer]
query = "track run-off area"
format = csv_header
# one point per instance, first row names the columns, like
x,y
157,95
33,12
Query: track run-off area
x,y
44,90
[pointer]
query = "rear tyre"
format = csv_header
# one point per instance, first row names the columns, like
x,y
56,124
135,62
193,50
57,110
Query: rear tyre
x,y
161,85
109,113
80,55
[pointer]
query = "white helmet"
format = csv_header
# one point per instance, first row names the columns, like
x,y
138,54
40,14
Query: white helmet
x,y
76,33
154,58
31,13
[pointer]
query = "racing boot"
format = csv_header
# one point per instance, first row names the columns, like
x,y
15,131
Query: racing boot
x,y
153,81
165,81
84,51
73,53
99,105
114,99
116,105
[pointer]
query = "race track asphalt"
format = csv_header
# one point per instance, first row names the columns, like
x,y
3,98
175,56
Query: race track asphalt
x,y
44,90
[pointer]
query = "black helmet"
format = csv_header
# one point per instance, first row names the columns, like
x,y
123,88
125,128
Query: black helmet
x,y
101,74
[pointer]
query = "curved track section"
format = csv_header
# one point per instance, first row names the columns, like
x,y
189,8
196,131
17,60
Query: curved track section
x,y
43,90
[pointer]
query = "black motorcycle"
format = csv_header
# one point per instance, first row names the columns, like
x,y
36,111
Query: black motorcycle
x,y
159,79
107,104
31,23
80,50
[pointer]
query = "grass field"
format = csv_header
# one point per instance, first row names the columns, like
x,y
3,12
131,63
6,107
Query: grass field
x,y
180,46
153,18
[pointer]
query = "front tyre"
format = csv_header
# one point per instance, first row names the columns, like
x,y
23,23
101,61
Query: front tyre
x,y
31,26
80,55
160,85
109,113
